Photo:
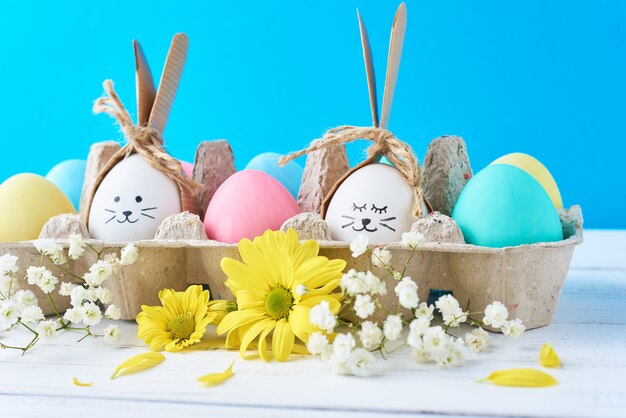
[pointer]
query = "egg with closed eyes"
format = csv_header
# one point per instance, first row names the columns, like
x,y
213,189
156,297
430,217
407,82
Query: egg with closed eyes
x,y
132,201
375,200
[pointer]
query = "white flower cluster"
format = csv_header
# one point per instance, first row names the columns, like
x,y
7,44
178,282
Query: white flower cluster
x,y
87,298
352,352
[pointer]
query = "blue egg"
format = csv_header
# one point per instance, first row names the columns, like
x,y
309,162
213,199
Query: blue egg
x,y
504,206
68,176
289,175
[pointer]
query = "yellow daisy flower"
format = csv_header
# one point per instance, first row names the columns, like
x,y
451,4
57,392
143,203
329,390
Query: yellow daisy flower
x,y
180,322
278,281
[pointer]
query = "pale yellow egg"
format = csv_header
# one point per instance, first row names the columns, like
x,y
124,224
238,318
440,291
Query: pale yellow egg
x,y
27,201
534,167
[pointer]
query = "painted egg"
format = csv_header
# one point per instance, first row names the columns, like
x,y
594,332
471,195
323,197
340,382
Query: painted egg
x,y
533,167
187,168
504,206
375,200
289,175
132,201
68,176
27,201
247,204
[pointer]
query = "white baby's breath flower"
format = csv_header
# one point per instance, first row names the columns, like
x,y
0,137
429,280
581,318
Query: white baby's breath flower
x,y
318,344
342,347
420,354
98,273
301,290
406,291
113,260
513,328
381,257
53,250
47,328
113,312
364,306
435,340
47,282
353,282
361,362
112,334
495,314
359,245
91,314
447,305
77,247
8,265
321,316
412,239
7,283
25,298
453,353
370,335
77,295
34,274
103,294
129,255
455,319
477,340
66,288
392,327
32,314
9,312
417,328
74,315
424,310
373,284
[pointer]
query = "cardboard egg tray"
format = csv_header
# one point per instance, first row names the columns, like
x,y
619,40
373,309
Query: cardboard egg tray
x,y
528,279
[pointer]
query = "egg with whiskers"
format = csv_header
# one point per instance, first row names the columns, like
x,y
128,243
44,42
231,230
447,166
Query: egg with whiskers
x,y
375,200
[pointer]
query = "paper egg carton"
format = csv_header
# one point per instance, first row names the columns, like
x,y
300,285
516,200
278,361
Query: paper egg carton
x,y
528,279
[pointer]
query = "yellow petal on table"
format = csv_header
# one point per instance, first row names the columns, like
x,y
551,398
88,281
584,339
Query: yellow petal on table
x,y
214,379
548,357
138,363
527,378
75,382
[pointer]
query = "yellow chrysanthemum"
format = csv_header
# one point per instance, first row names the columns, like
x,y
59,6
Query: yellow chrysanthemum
x,y
180,322
276,285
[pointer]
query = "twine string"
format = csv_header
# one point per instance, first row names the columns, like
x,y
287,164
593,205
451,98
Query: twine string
x,y
144,140
399,153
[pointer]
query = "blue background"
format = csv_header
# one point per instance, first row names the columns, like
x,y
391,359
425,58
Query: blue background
x,y
543,77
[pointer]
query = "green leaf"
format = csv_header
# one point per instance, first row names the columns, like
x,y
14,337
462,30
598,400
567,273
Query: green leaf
x,y
527,378
214,379
138,363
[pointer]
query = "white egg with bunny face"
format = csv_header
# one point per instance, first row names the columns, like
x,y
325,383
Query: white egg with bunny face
x,y
375,200
132,201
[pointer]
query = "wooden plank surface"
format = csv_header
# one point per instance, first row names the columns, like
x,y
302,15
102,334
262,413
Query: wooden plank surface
x,y
589,333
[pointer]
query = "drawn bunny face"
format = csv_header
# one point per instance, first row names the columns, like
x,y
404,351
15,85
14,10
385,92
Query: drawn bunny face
x,y
132,201
375,200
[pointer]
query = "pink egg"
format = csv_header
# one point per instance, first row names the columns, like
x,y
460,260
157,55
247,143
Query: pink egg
x,y
247,204
187,168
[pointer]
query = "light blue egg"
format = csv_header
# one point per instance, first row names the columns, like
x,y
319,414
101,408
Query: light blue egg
x,y
504,206
68,176
289,175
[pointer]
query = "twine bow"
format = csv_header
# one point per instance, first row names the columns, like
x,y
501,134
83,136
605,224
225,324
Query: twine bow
x,y
144,140
399,153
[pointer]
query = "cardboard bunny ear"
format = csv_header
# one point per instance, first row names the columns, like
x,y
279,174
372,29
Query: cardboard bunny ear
x,y
170,78
146,92
393,63
369,69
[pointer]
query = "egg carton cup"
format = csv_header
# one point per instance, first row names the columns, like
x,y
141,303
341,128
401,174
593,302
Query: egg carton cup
x,y
528,279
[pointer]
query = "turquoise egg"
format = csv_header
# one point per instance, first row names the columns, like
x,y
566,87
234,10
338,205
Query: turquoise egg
x,y
68,176
504,206
289,175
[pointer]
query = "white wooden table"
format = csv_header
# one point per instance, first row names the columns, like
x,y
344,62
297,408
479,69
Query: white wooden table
x,y
589,333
